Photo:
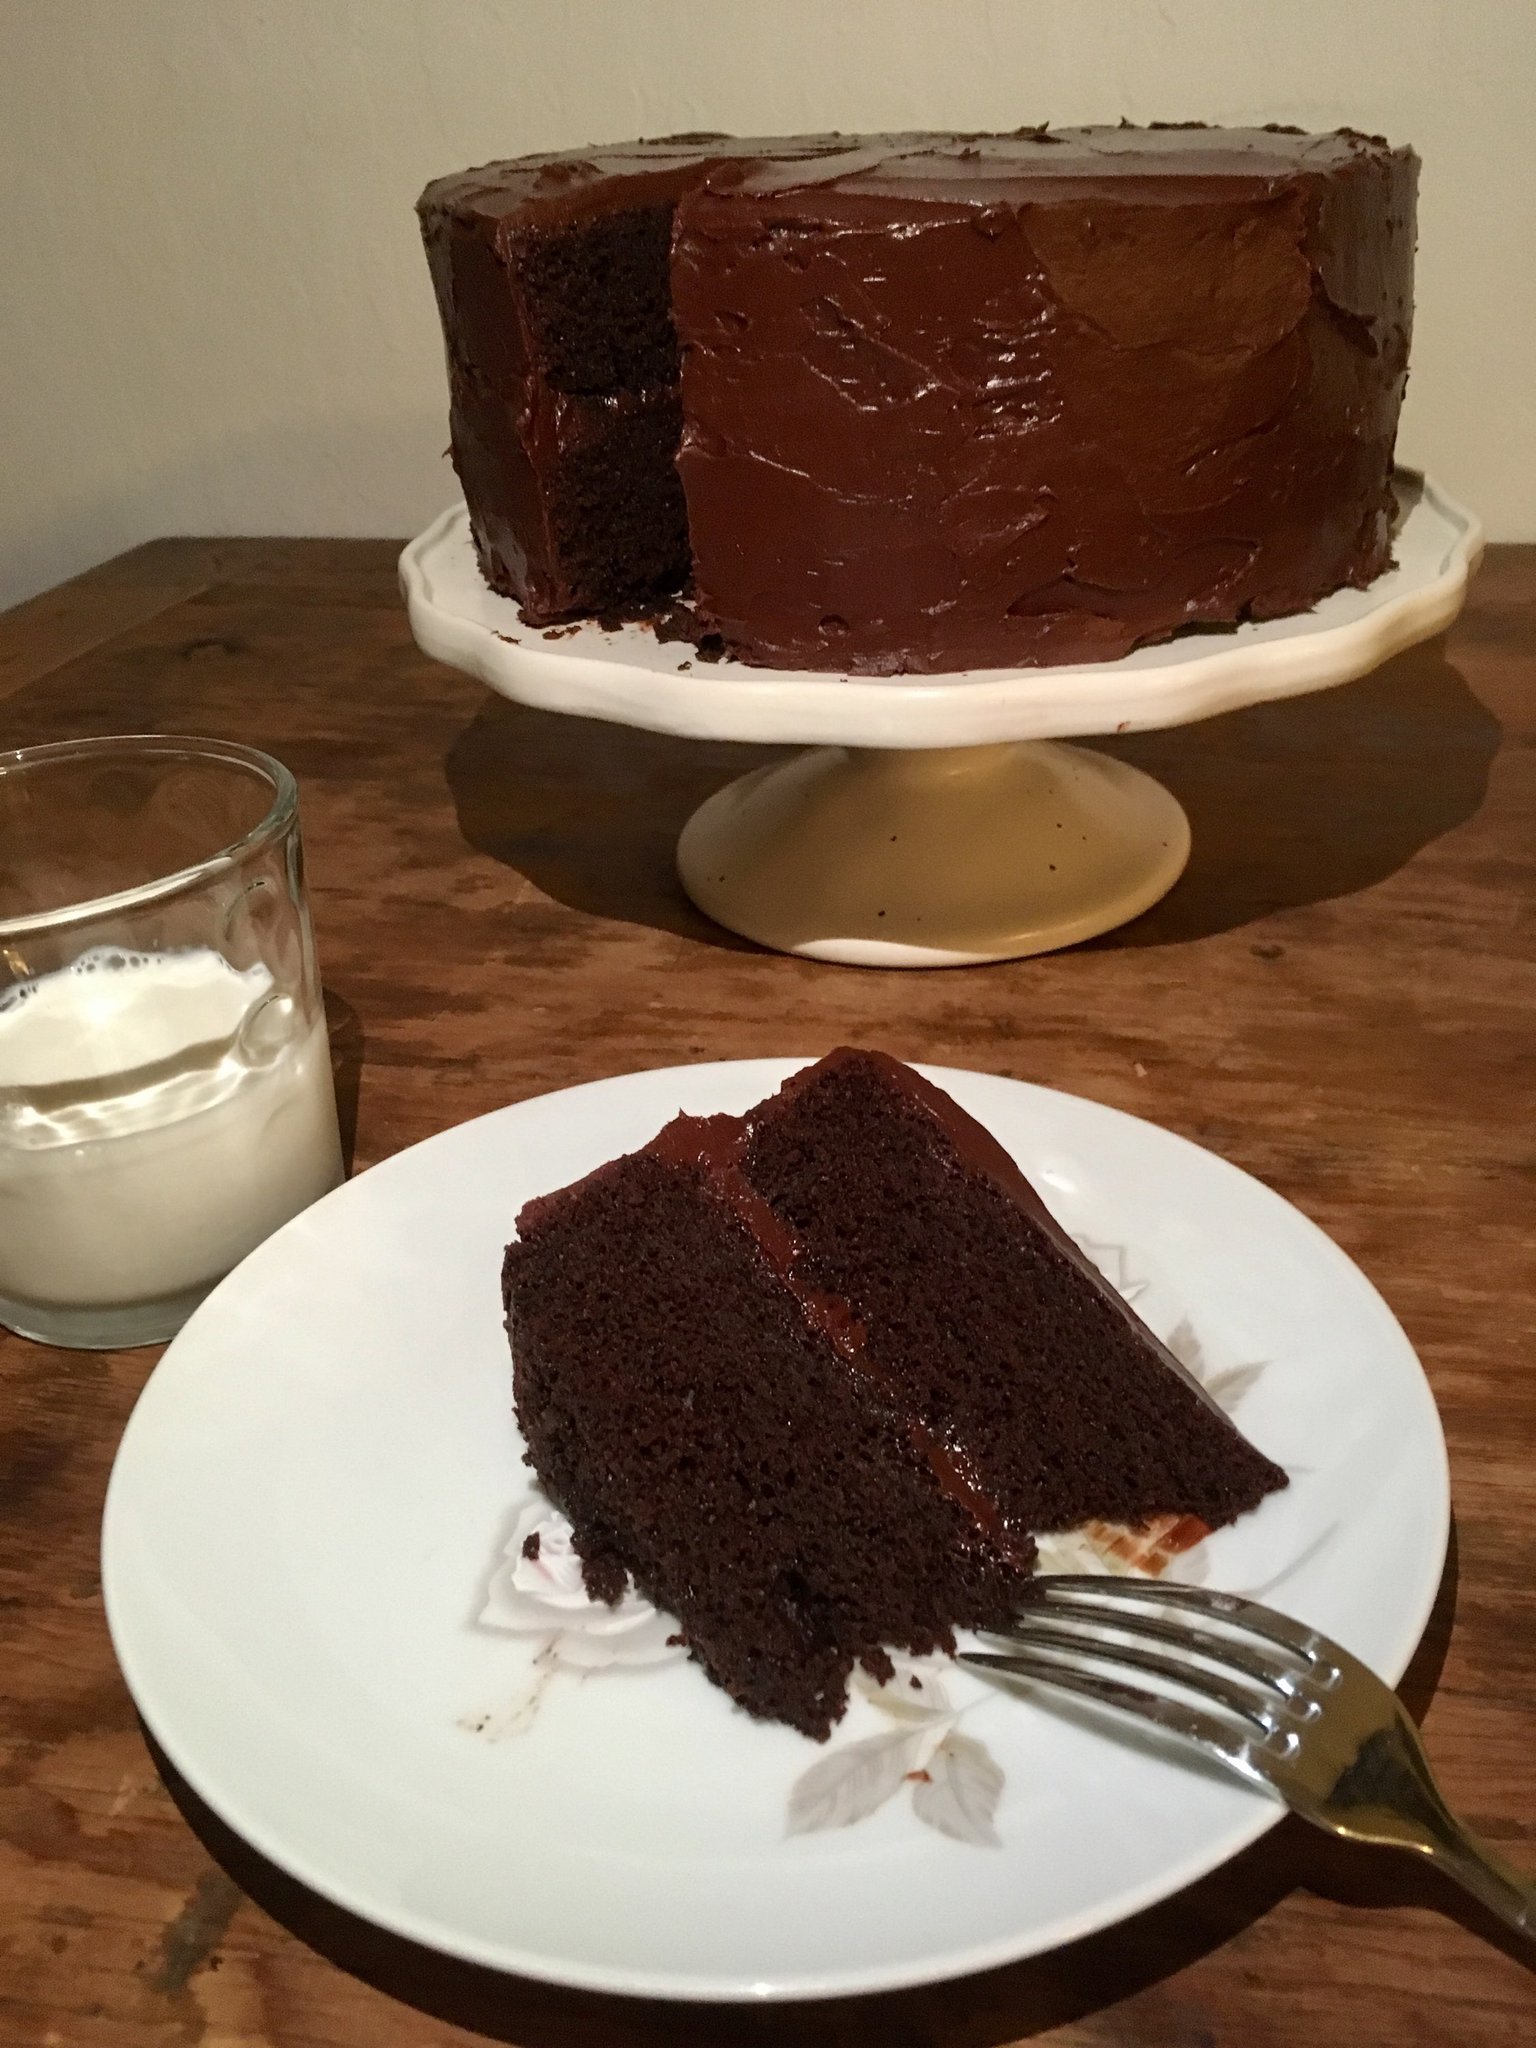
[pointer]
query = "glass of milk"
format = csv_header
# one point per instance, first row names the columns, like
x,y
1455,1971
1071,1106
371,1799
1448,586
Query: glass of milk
x,y
165,1080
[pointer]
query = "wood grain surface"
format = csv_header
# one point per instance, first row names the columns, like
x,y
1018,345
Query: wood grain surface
x,y
1339,997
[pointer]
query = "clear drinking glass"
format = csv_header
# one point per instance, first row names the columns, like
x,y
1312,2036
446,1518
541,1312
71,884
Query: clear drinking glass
x,y
165,1081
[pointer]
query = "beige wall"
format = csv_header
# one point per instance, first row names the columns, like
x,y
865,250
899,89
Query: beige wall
x,y
214,316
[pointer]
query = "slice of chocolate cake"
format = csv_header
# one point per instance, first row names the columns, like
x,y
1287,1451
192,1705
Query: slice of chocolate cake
x,y
813,1377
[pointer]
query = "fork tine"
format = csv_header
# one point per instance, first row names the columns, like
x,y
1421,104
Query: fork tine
x,y
1177,1717
1174,1627
1230,1610
1254,1693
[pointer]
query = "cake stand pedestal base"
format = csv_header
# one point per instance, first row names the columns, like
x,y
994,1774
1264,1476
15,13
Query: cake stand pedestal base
x,y
933,857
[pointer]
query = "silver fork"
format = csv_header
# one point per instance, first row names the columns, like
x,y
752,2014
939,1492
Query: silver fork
x,y
1280,1704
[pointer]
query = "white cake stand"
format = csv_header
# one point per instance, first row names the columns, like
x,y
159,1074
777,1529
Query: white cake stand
x,y
936,821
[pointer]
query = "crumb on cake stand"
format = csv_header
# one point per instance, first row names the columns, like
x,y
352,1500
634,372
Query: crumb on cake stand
x,y
937,820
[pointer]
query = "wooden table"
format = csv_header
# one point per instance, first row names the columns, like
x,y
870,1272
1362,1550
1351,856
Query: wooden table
x,y
1340,997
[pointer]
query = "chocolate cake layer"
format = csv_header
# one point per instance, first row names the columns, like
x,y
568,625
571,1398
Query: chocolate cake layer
x,y
946,401
813,1376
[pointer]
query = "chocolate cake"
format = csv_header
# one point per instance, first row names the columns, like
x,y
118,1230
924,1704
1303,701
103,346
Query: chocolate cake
x,y
815,1377
930,402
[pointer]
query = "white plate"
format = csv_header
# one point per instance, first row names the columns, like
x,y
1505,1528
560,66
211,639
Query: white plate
x,y
627,675
315,1488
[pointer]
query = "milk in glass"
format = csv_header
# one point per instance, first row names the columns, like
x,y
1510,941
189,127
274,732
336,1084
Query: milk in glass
x,y
160,1114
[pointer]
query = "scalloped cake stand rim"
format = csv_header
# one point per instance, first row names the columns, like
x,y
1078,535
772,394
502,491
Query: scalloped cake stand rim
x,y
625,675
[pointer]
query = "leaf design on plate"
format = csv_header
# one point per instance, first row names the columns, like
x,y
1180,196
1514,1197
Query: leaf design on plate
x,y
1183,1341
1228,1386
959,1791
848,1785
1113,1262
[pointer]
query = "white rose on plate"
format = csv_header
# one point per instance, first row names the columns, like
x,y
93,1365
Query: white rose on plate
x,y
544,1595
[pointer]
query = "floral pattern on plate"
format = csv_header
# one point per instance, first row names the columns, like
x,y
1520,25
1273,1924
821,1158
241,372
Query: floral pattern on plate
x,y
954,1779
955,1784
536,1589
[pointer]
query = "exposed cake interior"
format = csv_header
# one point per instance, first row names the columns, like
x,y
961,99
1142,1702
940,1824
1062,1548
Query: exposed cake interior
x,y
813,1376
564,400
984,1318
598,305
704,1433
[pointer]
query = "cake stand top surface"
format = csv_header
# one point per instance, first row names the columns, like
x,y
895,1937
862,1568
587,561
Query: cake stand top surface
x,y
626,675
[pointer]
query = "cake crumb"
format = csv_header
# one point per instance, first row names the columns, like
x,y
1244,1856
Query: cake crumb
x,y
531,1546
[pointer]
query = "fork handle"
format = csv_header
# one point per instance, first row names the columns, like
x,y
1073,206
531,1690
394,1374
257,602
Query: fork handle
x,y
1479,1869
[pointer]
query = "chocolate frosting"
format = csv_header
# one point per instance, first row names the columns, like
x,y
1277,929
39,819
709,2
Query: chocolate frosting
x,y
969,401
560,186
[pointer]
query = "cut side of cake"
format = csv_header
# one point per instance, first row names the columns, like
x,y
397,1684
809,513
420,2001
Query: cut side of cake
x,y
553,279
565,422
814,1378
